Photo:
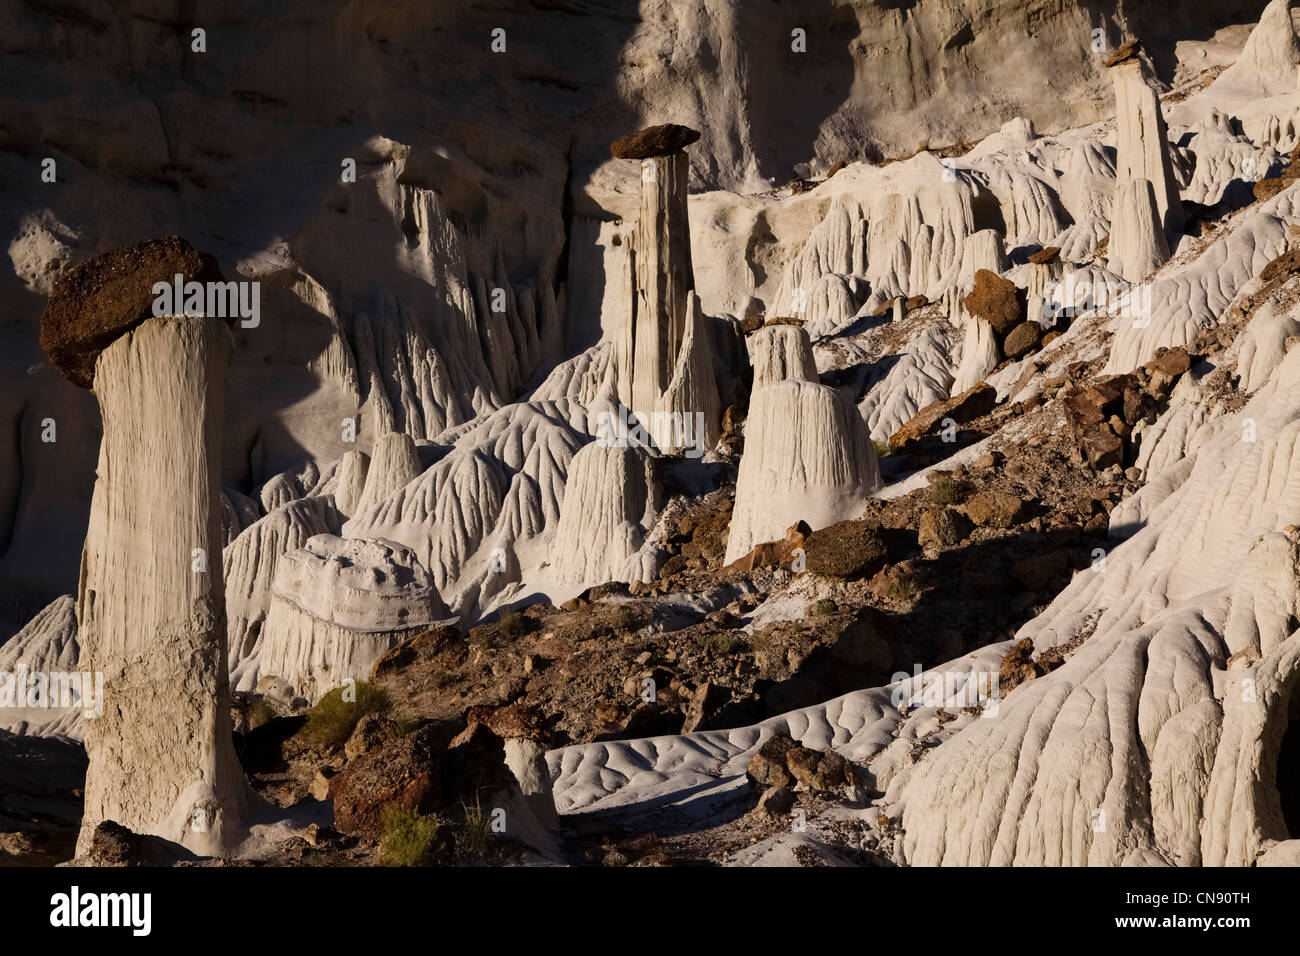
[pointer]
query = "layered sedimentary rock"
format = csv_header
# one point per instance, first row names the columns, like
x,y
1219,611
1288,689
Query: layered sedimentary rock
x,y
781,352
609,503
807,458
337,604
250,564
1143,139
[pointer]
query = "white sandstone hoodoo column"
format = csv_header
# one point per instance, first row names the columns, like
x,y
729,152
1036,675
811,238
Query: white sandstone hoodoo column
x,y
1142,140
150,606
807,457
671,367
1137,240
781,352
607,500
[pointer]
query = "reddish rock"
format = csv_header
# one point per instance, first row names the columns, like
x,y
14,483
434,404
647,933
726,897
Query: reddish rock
x,y
1043,256
767,768
1128,50
772,554
816,770
1017,666
403,773
971,404
997,301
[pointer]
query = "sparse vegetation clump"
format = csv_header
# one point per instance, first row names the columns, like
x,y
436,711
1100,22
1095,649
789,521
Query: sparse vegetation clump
x,y
719,644
331,722
943,491
409,838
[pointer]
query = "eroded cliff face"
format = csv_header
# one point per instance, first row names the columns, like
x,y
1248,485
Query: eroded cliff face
x,y
476,170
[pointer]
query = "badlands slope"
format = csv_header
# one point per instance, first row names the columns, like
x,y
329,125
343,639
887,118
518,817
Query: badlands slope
x,y
484,304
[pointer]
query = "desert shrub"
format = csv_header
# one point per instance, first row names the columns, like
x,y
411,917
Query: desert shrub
x,y
904,588
408,837
718,643
943,490
515,625
478,830
331,722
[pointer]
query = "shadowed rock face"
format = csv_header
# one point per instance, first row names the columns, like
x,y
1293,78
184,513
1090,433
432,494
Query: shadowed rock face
x,y
653,141
98,301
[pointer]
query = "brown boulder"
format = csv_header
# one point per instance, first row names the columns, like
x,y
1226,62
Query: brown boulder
x,y
402,773
1017,666
997,301
1022,340
971,404
767,767
915,302
1101,447
653,141
96,302
773,554
942,528
847,549
994,509
1044,256
817,770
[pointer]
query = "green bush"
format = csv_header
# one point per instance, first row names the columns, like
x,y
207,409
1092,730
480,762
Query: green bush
x,y
718,643
408,838
515,625
331,722
943,490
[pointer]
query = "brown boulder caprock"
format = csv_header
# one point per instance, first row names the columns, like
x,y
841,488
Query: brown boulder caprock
x,y
767,768
96,302
1127,51
1044,256
653,141
997,301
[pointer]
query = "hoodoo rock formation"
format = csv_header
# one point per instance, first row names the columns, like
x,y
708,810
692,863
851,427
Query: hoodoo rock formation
x,y
1142,149
609,503
475,453
338,604
668,380
807,458
781,352
162,758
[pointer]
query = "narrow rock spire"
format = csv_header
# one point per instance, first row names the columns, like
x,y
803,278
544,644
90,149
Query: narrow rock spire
x,y
1142,140
150,605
